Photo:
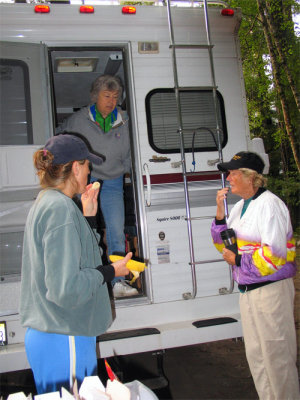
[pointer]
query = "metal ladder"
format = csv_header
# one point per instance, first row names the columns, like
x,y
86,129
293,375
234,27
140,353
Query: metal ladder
x,y
181,131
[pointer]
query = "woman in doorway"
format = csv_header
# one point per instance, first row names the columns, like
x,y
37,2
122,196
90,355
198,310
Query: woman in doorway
x,y
106,127
64,297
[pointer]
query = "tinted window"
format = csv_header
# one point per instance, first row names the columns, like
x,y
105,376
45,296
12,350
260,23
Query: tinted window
x,y
15,111
198,119
11,245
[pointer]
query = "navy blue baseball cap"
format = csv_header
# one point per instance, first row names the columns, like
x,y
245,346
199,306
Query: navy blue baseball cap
x,y
243,159
66,148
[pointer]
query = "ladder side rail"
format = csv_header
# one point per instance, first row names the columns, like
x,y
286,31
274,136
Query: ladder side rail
x,y
214,91
231,280
183,162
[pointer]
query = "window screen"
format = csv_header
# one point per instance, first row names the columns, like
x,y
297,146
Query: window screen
x,y
15,111
198,118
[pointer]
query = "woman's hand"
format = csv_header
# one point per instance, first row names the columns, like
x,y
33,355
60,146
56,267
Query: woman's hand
x,y
120,266
221,196
89,201
229,256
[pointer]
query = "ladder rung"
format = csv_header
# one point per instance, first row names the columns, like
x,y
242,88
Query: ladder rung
x,y
190,88
199,218
203,173
191,46
206,261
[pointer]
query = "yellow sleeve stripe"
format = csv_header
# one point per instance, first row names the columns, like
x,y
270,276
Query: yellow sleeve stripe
x,y
266,262
219,246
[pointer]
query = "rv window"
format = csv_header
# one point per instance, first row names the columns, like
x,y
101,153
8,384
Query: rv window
x,y
11,245
198,119
15,110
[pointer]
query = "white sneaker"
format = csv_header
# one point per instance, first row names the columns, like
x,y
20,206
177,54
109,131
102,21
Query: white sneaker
x,y
122,289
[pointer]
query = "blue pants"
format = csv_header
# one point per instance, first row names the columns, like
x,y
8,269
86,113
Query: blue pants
x,y
56,360
112,206
113,210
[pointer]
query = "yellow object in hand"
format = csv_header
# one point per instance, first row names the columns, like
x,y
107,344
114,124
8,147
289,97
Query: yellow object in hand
x,y
134,266
96,185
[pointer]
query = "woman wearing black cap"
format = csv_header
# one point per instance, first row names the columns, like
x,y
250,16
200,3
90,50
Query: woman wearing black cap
x,y
263,269
64,298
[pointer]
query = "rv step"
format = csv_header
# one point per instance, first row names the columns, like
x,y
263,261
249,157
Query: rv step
x,y
191,46
214,321
159,382
127,334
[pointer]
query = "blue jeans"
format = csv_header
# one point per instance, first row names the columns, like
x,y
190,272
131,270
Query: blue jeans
x,y
113,210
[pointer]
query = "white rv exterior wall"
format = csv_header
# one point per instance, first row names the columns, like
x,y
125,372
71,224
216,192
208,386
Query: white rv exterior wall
x,y
108,25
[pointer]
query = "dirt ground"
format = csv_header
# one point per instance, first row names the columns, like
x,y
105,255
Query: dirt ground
x,y
217,370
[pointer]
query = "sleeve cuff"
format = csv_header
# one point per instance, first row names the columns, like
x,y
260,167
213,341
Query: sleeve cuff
x,y
92,221
107,271
220,221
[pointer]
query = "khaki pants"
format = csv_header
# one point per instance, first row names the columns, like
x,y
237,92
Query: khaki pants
x,y
270,339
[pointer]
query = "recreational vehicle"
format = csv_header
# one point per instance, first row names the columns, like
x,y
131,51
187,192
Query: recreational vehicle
x,y
184,95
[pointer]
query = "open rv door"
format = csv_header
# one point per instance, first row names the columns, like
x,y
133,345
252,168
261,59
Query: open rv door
x,y
24,98
73,69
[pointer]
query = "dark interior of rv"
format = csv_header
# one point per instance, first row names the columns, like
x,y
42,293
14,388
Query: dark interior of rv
x,y
73,72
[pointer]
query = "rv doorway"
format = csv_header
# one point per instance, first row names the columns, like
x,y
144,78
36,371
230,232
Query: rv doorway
x,y
73,70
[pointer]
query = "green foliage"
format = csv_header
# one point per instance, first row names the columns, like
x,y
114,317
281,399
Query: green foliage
x,y
264,108
287,187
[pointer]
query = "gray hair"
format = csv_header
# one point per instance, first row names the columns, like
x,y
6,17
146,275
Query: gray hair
x,y
106,82
258,180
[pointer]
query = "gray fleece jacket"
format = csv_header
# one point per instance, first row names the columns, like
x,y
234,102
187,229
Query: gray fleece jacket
x,y
61,289
114,145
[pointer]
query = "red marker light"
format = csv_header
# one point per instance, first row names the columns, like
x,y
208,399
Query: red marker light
x,y
128,10
227,12
86,9
42,8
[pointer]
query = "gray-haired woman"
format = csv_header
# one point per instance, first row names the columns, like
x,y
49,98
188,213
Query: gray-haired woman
x,y
106,127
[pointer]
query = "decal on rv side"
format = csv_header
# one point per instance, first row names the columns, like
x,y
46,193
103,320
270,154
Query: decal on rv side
x,y
172,218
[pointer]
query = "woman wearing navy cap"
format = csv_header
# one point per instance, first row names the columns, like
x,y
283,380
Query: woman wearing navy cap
x,y
263,269
64,297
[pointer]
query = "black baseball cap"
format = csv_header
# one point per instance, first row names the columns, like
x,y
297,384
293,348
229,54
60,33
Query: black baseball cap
x,y
66,148
243,159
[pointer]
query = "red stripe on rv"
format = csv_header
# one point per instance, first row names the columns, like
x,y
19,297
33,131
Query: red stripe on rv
x,y
174,178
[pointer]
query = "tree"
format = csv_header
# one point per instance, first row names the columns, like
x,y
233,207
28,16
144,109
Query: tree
x,y
275,17
270,58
